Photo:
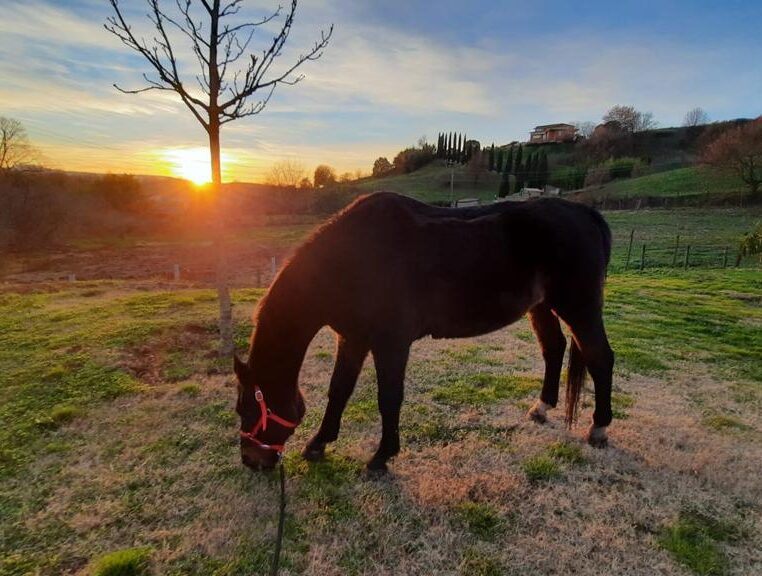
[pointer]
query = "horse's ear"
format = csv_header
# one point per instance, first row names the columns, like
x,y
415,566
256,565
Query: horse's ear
x,y
241,369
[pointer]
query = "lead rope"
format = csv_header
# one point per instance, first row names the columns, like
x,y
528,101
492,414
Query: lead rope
x,y
281,523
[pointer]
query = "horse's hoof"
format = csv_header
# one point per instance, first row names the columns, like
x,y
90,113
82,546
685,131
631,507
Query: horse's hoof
x,y
538,412
597,437
313,453
376,468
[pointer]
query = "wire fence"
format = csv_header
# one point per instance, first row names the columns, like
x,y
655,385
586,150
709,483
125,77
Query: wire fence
x,y
685,255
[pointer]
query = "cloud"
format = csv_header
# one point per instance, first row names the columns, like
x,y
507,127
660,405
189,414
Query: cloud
x,y
377,87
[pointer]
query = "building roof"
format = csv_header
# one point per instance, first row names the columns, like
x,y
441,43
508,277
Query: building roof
x,y
548,126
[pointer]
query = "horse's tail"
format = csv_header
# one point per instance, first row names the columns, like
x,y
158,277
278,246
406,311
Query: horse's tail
x,y
575,379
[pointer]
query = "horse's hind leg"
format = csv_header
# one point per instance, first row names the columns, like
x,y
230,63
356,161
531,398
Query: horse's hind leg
x,y
553,344
350,356
590,336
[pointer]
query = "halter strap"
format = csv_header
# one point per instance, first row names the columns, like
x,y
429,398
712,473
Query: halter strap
x,y
261,425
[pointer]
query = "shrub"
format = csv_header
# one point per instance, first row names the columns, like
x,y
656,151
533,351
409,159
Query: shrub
x,y
568,177
411,159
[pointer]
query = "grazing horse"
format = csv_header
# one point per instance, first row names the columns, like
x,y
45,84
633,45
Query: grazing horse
x,y
389,270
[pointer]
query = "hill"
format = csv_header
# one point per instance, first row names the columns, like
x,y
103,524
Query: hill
x,y
432,183
688,185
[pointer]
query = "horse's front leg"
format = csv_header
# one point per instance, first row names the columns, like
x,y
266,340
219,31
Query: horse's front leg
x,y
350,355
391,360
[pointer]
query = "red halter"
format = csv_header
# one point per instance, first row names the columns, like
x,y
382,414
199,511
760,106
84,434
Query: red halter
x,y
265,415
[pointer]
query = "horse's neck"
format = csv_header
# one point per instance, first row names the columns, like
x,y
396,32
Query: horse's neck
x,y
283,333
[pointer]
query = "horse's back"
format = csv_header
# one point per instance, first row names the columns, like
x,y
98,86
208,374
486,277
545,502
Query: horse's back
x,y
393,261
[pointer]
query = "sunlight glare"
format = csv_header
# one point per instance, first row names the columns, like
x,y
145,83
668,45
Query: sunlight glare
x,y
190,163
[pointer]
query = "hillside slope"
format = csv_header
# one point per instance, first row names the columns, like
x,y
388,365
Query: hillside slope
x,y
681,182
432,183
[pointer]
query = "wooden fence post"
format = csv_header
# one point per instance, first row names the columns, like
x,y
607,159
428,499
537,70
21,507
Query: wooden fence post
x,y
725,258
677,247
643,257
629,249
687,256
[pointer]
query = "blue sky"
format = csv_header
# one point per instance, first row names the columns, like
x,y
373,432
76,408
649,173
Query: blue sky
x,y
395,70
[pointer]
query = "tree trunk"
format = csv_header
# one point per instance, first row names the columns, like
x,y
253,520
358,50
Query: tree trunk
x,y
221,273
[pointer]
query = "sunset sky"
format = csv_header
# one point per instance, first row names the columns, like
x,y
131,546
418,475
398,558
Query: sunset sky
x,y
394,71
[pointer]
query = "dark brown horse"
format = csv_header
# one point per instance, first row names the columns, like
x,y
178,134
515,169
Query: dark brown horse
x,y
389,270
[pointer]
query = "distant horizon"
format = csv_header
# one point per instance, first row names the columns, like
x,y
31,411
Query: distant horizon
x,y
391,74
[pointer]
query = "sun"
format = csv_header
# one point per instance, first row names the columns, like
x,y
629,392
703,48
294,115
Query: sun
x,y
190,163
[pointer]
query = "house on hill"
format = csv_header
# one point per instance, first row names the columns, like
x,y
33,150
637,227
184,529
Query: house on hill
x,y
553,133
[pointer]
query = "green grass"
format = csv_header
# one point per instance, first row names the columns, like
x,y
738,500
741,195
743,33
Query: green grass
x,y
62,352
694,538
481,520
190,389
482,389
565,452
690,181
129,562
699,227
541,468
723,423
472,354
479,563
620,402
432,183
656,321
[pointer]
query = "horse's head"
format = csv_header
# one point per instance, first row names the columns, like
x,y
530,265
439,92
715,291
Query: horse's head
x,y
267,420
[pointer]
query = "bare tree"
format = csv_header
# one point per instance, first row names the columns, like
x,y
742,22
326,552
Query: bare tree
x,y
233,81
286,173
15,148
696,117
739,151
585,129
629,119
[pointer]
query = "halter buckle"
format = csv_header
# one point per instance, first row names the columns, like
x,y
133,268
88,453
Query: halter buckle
x,y
258,396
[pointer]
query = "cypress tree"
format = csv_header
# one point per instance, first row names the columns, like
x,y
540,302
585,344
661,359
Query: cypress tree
x,y
449,146
518,169
492,158
533,164
528,170
543,173
439,145
505,185
499,166
508,162
457,147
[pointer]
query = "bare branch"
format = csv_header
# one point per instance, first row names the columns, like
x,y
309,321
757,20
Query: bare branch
x,y
169,78
254,76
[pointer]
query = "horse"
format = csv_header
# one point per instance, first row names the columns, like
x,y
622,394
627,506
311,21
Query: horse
x,y
389,270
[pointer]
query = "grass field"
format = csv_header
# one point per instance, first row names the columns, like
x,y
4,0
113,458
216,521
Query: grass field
x,y
119,445
702,228
690,181
432,183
